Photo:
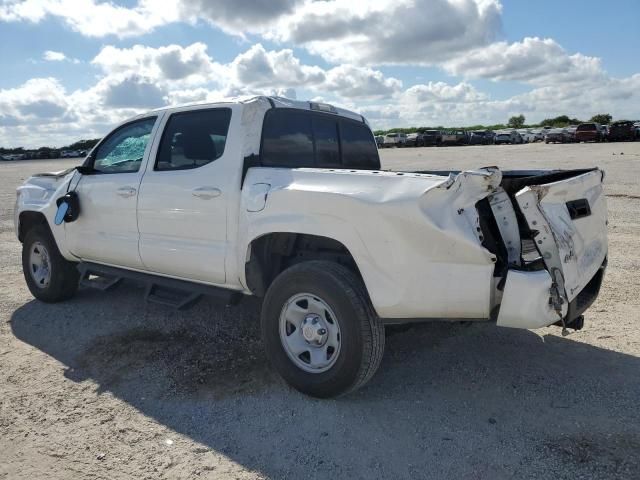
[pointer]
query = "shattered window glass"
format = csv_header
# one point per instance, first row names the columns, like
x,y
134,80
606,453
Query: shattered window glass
x,y
123,150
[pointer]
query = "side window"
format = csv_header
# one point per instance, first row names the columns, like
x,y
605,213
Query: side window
x,y
358,146
193,139
123,150
325,133
287,139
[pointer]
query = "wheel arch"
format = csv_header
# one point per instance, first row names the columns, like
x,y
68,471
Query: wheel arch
x,y
29,219
271,253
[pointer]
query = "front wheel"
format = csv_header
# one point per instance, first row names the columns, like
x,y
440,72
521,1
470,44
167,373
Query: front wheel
x,y
319,329
49,276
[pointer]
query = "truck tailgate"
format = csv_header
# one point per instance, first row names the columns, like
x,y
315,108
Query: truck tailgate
x,y
569,221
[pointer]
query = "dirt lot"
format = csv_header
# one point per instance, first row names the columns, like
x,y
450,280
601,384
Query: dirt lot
x,y
105,386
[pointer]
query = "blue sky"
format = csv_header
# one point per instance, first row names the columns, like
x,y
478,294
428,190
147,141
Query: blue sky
x,y
72,68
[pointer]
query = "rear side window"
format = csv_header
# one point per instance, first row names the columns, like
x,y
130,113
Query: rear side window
x,y
358,148
287,139
193,139
327,140
298,138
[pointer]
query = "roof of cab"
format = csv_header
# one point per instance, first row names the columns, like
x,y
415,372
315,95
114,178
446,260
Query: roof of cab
x,y
275,102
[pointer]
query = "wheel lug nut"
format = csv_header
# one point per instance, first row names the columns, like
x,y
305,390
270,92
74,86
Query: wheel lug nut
x,y
322,331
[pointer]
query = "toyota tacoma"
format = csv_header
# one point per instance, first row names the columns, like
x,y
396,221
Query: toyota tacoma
x,y
286,200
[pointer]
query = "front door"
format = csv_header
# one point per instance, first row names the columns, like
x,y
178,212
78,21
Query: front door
x,y
106,230
182,209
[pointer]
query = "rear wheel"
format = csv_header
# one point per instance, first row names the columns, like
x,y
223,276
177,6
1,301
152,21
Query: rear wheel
x,y
319,329
49,276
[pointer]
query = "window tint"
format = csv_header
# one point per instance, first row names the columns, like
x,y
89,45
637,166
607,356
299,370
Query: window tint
x,y
287,139
358,147
193,139
298,138
325,133
123,150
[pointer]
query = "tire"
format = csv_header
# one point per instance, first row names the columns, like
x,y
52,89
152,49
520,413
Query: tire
x,y
345,303
56,279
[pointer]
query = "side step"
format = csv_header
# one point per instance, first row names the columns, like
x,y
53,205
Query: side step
x,y
178,299
91,279
178,294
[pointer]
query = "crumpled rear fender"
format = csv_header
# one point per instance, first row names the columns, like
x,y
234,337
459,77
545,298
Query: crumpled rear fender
x,y
414,237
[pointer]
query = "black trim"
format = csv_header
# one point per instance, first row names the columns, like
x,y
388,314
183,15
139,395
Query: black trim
x,y
579,208
273,104
150,280
587,295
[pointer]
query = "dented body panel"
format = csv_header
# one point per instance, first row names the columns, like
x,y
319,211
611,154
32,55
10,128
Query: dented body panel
x,y
414,237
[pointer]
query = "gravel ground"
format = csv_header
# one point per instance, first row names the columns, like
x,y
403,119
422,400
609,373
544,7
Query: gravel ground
x,y
105,386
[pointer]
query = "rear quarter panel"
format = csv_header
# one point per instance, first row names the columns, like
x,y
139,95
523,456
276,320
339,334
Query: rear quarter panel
x,y
414,237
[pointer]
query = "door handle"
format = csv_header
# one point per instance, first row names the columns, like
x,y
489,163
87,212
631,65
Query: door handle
x,y
206,193
126,192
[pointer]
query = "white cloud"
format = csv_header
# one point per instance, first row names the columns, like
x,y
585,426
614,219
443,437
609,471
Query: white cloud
x,y
257,70
37,100
93,18
533,60
260,68
375,32
171,63
390,31
237,16
360,82
52,56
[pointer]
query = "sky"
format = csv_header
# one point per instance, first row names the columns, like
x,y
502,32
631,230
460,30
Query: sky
x,y
72,69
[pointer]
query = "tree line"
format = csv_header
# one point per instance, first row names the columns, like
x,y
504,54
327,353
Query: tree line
x,y
79,145
517,121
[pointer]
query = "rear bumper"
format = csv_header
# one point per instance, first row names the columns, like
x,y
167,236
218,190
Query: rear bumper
x,y
526,300
587,296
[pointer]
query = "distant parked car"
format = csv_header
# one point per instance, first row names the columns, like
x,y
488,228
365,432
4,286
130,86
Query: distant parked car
x,y
395,139
481,137
432,137
455,137
557,135
603,130
528,135
588,132
70,154
414,140
539,134
508,137
622,130
379,141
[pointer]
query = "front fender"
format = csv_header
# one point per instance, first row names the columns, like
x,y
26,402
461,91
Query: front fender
x,y
38,195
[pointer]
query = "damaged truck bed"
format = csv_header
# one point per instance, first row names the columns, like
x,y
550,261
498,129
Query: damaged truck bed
x,y
547,230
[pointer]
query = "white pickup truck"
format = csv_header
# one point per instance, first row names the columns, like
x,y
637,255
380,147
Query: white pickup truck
x,y
286,200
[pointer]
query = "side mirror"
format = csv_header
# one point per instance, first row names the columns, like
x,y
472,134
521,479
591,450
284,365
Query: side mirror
x,y
85,170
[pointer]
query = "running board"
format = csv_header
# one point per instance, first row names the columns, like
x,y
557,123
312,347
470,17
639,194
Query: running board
x,y
98,281
178,294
